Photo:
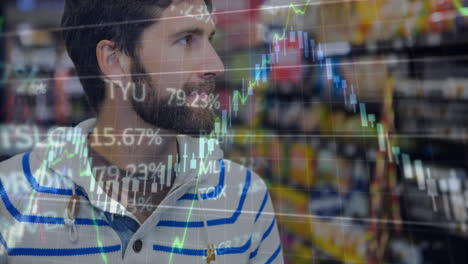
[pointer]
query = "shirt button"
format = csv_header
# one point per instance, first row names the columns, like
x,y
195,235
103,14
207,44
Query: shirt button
x,y
137,245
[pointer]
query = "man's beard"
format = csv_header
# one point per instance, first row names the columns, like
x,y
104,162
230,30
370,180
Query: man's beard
x,y
155,110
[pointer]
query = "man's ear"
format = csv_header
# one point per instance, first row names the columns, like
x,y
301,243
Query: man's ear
x,y
110,61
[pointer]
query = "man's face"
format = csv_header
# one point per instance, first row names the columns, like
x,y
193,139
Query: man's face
x,y
176,65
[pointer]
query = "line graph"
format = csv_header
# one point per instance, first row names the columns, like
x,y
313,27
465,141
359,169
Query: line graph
x,y
292,9
179,242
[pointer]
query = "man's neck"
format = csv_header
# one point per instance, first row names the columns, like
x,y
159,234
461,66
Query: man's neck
x,y
142,149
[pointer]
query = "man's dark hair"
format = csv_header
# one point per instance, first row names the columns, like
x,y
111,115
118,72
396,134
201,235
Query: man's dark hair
x,y
86,22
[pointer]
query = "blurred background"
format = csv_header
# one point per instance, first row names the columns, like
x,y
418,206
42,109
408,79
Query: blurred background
x,y
356,116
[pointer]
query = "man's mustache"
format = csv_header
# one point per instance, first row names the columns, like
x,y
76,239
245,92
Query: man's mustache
x,y
206,87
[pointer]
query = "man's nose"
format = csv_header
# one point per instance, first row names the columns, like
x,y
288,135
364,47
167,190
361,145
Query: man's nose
x,y
212,65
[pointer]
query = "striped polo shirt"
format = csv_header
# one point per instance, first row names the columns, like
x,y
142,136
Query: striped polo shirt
x,y
216,211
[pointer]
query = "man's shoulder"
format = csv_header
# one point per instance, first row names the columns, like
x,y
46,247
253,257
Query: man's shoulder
x,y
229,167
23,175
11,172
16,175
240,175
13,185
245,192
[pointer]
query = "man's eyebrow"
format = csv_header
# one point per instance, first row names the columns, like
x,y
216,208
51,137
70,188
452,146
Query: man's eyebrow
x,y
193,31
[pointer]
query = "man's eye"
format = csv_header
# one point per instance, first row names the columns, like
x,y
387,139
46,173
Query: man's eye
x,y
187,40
